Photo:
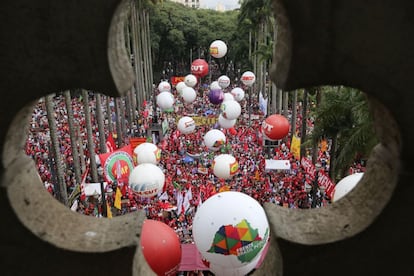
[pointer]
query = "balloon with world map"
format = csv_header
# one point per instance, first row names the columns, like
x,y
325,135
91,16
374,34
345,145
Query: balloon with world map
x,y
230,230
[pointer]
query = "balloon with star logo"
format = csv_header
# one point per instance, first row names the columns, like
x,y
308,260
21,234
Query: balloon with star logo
x,y
230,230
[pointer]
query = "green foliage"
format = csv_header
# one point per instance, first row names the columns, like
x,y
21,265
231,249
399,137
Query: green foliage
x,y
343,114
177,30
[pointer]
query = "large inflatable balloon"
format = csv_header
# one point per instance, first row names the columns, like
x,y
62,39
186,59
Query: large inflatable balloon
x,y
275,127
248,78
230,230
230,110
218,49
189,94
234,271
228,97
147,153
225,166
190,80
214,85
216,96
180,86
345,185
224,123
186,125
238,93
223,81
214,139
164,86
165,100
199,68
161,247
146,180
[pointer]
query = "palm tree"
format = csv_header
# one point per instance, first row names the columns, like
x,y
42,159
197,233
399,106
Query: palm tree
x,y
61,188
343,117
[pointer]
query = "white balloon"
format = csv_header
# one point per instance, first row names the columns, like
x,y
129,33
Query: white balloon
x,y
190,80
164,86
189,94
186,125
248,78
224,123
219,270
225,166
230,230
146,180
228,97
165,100
345,185
238,93
147,153
214,85
223,81
218,49
214,139
230,110
180,86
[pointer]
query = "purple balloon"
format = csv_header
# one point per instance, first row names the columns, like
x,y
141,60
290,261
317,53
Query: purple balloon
x,y
216,96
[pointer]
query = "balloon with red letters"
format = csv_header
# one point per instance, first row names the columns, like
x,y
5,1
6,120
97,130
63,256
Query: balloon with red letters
x,y
186,125
275,127
248,78
218,49
199,68
223,81
161,247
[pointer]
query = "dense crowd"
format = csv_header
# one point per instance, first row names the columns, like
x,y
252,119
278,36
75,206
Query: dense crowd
x,y
186,161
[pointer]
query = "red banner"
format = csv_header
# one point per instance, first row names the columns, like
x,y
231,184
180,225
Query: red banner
x,y
137,141
326,182
308,167
176,79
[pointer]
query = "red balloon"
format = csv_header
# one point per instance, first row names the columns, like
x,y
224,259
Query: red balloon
x,y
199,68
161,247
275,127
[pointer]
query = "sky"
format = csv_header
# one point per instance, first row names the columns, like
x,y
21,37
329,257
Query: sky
x,y
228,4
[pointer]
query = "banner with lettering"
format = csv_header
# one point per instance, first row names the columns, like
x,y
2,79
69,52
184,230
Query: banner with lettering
x,y
200,120
309,167
326,182
117,165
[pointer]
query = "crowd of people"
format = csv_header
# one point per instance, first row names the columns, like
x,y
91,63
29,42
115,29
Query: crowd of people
x,y
186,161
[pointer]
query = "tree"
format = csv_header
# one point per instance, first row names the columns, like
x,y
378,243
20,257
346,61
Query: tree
x,y
343,117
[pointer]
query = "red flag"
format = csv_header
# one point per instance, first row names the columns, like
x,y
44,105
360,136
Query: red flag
x,y
110,143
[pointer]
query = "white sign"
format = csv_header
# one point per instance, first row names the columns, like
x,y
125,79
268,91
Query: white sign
x,y
92,189
272,164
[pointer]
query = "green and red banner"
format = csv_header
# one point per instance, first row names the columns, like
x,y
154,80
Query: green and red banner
x,y
117,165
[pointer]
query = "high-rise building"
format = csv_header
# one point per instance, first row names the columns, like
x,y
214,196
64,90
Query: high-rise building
x,y
189,3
